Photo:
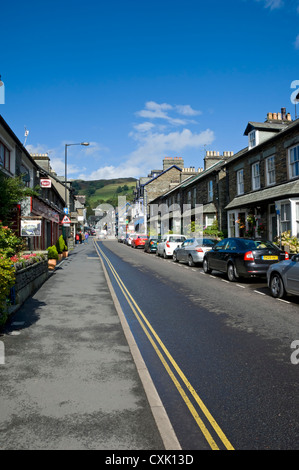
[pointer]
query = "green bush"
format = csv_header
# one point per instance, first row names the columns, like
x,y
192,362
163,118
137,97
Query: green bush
x,y
52,252
10,244
7,280
60,244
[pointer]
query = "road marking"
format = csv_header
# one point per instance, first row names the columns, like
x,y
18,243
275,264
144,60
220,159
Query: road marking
x,y
148,330
285,301
257,292
214,277
239,285
224,280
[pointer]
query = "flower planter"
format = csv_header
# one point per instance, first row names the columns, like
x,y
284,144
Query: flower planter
x,y
60,256
65,254
52,263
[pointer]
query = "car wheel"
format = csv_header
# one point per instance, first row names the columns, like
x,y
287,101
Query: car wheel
x,y
165,255
276,286
205,266
175,258
231,272
190,261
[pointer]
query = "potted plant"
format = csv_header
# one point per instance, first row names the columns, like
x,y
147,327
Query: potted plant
x,y
65,251
60,247
52,257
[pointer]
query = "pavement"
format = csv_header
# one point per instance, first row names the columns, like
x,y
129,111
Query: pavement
x,y
73,378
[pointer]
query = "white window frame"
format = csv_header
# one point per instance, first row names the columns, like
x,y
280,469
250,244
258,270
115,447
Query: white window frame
x,y
270,170
294,165
253,139
255,176
240,182
286,223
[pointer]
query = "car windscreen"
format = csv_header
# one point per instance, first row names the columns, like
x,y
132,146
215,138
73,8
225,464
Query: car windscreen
x,y
205,241
258,245
176,239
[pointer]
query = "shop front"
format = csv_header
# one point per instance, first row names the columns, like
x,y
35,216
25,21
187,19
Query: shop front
x,y
39,224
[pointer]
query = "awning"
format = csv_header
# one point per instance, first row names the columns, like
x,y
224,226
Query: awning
x,y
275,192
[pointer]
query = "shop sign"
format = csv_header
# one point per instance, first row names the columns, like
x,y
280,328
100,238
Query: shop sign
x,y
45,183
31,228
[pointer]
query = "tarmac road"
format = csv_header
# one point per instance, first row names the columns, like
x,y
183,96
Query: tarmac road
x,y
69,381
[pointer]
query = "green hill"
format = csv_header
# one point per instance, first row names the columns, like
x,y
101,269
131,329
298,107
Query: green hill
x,y
100,191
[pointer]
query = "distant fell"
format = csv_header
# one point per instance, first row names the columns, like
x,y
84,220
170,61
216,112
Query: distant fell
x,y
100,191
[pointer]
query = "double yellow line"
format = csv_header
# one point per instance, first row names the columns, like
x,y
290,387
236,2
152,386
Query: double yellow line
x,y
156,343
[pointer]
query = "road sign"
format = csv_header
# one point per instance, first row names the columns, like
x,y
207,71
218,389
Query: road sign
x,y
66,210
66,220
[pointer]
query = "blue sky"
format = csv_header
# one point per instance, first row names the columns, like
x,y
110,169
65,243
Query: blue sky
x,y
141,80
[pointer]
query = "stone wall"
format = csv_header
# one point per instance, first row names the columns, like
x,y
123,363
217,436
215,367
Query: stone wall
x,y
277,146
28,280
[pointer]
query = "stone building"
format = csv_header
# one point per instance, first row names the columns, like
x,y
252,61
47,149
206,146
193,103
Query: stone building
x,y
263,182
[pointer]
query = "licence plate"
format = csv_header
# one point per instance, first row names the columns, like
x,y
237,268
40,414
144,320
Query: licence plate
x,y
269,257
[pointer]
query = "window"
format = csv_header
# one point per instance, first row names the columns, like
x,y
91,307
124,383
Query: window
x,y
210,220
232,225
285,217
4,157
297,218
210,190
256,182
25,175
252,139
270,170
294,162
240,182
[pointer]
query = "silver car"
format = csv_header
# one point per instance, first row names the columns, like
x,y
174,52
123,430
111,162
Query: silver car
x,y
283,277
193,249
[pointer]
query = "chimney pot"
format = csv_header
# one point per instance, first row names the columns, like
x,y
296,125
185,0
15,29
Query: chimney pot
x,y
269,116
283,113
274,116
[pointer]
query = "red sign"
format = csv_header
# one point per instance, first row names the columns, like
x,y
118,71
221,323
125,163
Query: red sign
x,y
45,183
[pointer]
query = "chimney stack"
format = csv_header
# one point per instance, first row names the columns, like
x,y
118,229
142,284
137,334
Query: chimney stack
x,y
283,113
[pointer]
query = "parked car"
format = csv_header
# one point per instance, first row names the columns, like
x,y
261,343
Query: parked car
x,y
168,243
130,238
138,241
193,249
121,239
151,244
242,257
283,277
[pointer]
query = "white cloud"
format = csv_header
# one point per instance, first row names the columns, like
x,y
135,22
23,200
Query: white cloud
x,y
144,126
297,42
273,4
186,110
155,110
151,150
155,141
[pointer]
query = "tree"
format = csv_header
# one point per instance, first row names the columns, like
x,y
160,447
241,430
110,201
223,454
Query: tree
x,y
12,192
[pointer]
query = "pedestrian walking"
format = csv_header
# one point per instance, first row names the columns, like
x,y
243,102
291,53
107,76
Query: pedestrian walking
x,y
77,238
86,237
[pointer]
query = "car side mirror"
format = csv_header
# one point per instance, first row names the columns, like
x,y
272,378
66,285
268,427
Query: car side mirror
x,y
295,258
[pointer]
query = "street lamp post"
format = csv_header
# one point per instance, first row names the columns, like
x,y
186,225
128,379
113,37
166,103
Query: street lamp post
x,y
65,168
